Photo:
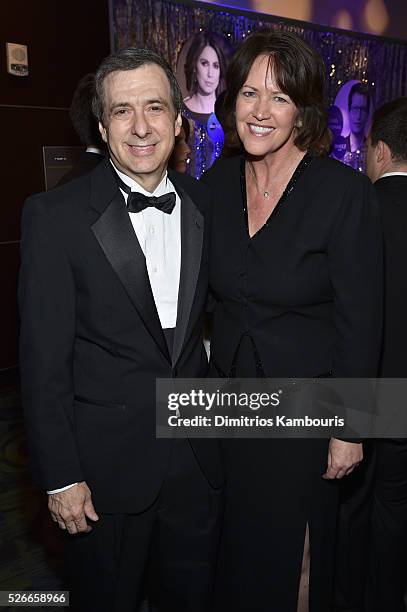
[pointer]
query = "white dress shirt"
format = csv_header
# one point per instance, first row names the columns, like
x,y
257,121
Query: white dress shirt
x,y
94,150
393,174
159,236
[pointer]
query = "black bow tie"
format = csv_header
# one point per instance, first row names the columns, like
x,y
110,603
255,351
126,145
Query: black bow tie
x,y
136,202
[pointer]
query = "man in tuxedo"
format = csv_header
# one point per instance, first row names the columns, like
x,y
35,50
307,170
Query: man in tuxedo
x,y
387,168
112,291
86,126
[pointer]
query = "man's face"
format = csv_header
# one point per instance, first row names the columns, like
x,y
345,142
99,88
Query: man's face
x,y
139,123
358,113
372,166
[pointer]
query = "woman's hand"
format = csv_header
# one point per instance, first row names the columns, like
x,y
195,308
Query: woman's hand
x,y
343,457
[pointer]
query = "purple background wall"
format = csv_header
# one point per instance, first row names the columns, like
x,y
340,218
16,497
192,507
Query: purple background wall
x,y
383,17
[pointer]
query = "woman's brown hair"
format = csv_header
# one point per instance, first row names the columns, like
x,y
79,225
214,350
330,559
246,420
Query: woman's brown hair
x,y
299,72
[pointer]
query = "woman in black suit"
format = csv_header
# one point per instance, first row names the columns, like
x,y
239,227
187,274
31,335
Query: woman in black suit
x,y
296,274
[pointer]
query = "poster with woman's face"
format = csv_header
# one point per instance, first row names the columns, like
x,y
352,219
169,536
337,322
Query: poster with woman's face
x,y
201,70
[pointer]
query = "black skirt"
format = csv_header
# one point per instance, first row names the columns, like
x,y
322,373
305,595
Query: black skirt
x,y
274,489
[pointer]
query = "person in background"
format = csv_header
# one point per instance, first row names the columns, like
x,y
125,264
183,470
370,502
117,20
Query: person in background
x,y
180,157
387,168
86,126
227,149
205,69
295,272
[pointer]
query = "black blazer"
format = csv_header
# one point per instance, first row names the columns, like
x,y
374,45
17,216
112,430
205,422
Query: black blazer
x,y
392,193
308,286
91,341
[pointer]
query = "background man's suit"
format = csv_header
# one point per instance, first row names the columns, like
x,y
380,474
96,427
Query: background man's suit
x,y
387,577
92,344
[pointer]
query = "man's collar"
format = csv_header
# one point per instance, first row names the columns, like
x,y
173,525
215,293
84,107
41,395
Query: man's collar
x,y
165,185
392,174
94,150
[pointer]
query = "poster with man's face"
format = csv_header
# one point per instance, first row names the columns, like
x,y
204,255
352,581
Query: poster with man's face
x,y
349,121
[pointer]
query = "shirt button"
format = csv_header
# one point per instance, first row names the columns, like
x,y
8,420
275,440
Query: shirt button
x,y
155,270
152,230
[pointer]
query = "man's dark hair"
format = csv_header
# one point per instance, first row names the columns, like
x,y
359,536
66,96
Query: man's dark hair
x,y
129,59
186,127
81,115
362,90
299,72
390,126
198,44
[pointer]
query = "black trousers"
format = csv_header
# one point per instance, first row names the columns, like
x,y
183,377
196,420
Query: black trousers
x,y
387,569
167,552
353,533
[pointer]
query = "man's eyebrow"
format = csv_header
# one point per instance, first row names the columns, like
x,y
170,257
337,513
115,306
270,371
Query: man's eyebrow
x,y
118,104
157,101
161,101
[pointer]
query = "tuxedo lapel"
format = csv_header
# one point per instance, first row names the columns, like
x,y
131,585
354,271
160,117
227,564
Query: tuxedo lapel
x,y
116,236
192,229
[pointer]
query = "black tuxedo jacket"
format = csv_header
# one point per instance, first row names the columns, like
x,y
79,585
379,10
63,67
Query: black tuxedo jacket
x,y
392,192
91,341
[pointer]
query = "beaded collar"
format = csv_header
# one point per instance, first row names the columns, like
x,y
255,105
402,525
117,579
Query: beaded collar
x,y
302,166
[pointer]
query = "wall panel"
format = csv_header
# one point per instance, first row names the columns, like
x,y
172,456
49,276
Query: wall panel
x,y
65,41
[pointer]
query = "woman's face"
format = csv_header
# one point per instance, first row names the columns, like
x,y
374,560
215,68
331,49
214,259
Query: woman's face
x,y
265,116
207,71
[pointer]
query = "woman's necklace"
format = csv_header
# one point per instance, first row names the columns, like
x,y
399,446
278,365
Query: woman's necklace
x,y
265,192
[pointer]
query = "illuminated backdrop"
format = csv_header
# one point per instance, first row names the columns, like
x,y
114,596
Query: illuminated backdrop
x,y
164,25
384,17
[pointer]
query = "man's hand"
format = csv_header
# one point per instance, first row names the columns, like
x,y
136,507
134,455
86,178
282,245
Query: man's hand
x,y
343,457
70,508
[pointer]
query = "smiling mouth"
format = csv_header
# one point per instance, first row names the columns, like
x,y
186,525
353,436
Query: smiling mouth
x,y
260,130
145,149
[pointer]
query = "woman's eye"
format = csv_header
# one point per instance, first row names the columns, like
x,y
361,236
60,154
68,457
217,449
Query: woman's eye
x,y
279,99
248,94
216,66
204,62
